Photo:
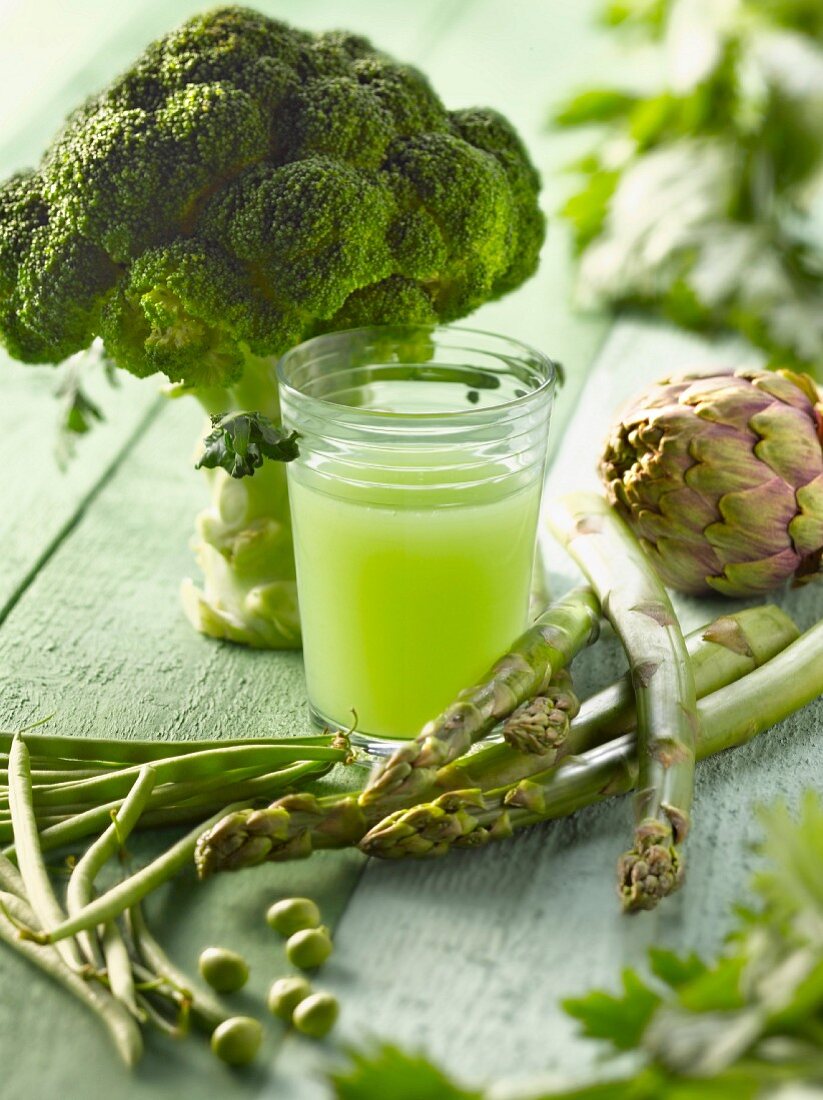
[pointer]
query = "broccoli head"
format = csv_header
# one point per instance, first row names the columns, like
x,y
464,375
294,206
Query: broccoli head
x,y
246,185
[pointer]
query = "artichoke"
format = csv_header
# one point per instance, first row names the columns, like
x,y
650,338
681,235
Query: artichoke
x,y
720,476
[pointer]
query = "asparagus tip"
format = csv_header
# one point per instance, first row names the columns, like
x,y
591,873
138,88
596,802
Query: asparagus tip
x,y
541,724
652,870
407,774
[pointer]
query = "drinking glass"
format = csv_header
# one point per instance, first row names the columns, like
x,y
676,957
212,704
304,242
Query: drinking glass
x,y
415,500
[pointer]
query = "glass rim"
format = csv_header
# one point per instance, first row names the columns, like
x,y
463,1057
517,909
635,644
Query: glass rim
x,y
545,387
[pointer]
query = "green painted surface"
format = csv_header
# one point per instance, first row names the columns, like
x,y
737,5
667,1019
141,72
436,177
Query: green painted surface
x,y
467,957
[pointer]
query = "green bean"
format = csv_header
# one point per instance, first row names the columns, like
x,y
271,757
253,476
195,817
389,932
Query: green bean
x,y
118,967
71,775
194,809
184,769
80,890
259,786
29,855
207,1011
67,763
108,750
11,880
123,1030
125,894
74,822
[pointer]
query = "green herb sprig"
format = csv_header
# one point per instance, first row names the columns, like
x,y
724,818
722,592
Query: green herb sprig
x,y
698,200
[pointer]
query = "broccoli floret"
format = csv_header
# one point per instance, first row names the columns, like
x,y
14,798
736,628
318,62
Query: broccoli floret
x,y
242,187
245,185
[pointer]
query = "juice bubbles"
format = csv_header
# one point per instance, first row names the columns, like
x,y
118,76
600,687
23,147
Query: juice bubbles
x,y
414,516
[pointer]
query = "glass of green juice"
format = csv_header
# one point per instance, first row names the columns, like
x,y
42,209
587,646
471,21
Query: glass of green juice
x,y
414,502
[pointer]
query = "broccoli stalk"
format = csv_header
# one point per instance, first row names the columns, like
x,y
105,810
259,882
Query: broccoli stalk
x,y
243,540
242,187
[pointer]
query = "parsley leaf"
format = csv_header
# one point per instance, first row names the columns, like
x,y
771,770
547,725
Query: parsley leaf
x,y
621,1019
389,1072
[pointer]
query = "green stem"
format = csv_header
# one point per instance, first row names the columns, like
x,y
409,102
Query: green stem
x,y
109,752
74,823
186,769
11,881
635,602
206,1010
118,967
243,542
157,1019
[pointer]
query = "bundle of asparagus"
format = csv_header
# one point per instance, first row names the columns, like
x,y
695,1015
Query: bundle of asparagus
x,y
442,790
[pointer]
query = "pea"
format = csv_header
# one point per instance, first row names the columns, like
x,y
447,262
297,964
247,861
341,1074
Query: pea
x,y
237,1040
309,949
316,1015
286,994
293,915
224,970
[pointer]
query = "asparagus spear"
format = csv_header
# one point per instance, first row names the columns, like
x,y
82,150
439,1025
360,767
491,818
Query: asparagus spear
x,y
635,602
294,826
525,671
729,717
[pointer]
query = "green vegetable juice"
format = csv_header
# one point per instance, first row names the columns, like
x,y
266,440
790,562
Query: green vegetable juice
x,y
413,575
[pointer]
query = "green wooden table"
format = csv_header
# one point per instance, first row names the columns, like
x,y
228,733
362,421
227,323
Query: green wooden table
x,y
467,957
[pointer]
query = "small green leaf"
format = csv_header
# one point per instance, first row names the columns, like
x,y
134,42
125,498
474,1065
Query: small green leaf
x,y
240,442
389,1073
594,105
620,1020
80,413
793,849
643,1087
650,118
649,14
587,210
682,305
716,989
675,970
